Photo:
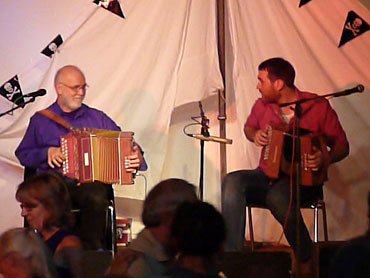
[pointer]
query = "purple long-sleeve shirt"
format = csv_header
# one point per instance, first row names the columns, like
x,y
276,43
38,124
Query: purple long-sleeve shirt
x,y
43,133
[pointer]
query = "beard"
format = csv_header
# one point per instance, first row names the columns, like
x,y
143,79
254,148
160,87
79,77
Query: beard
x,y
70,104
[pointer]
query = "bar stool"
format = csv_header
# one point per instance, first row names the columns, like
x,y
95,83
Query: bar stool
x,y
316,205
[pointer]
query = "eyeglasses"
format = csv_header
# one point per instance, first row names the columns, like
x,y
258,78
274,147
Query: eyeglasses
x,y
77,88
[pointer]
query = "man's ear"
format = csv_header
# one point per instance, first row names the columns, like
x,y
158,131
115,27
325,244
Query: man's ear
x,y
59,88
279,84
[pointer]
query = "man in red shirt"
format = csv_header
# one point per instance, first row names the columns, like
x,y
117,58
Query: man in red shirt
x,y
276,85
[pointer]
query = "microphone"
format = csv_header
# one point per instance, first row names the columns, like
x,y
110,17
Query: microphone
x,y
211,138
201,109
359,88
38,93
204,121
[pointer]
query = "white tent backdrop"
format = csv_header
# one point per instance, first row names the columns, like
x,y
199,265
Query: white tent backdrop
x,y
139,69
308,37
148,70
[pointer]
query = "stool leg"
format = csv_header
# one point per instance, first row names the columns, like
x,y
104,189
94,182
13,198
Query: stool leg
x,y
316,224
112,228
324,219
250,221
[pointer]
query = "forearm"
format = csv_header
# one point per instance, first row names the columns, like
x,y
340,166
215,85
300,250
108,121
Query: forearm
x,y
143,164
32,157
250,133
32,152
338,152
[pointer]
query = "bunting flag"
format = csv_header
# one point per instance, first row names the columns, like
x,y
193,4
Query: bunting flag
x,y
52,47
113,6
354,26
303,2
12,91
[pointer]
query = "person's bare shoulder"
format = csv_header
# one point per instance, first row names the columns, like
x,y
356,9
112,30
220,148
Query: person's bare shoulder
x,y
69,241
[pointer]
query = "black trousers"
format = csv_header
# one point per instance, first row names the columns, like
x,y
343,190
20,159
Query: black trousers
x,y
92,201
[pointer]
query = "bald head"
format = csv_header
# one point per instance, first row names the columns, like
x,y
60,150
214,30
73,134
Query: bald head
x,y
65,71
70,85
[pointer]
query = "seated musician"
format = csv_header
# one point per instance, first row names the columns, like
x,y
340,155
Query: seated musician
x,y
40,149
240,188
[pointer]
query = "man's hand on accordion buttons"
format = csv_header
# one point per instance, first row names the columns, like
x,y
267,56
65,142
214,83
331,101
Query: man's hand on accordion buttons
x,y
261,138
315,160
55,157
135,159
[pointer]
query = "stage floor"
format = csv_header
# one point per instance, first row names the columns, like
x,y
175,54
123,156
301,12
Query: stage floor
x,y
267,260
271,260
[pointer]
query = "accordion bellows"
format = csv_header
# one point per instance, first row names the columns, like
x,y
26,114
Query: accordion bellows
x,y
278,156
97,155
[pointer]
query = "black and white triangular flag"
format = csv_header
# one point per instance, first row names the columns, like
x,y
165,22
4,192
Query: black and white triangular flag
x,y
303,2
52,47
353,27
12,91
111,5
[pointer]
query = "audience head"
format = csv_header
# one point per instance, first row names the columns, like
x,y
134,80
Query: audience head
x,y
164,199
44,201
368,210
198,229
278,68
22,254
368,205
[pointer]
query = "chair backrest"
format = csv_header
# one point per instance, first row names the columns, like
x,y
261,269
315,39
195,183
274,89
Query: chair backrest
x,y
28,172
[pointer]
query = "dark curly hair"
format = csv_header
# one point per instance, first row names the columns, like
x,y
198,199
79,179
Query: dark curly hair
x,y
278,68
198,229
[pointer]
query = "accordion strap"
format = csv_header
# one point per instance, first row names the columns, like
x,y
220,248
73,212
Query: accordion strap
x,y
56,118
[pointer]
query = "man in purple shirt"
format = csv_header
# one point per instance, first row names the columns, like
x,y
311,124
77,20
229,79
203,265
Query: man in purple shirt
x,y
40,150
276,85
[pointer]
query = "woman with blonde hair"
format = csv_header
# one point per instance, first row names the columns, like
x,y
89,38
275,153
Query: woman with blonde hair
x,y
23,255
46,206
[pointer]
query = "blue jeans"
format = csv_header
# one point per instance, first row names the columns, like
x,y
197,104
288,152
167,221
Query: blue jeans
x,y
252,187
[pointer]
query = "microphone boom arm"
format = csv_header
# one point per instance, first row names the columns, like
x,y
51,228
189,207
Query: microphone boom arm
x,y
32,99
358,89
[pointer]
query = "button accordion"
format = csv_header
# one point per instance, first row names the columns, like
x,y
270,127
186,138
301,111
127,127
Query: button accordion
x,y
278,156
97,155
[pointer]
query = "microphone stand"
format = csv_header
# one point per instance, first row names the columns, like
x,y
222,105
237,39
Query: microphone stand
x,y
32,99
297,153
204,136
204,132
358,89
298,114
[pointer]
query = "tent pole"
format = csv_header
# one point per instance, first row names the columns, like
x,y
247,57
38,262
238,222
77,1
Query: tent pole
x,y
221,94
